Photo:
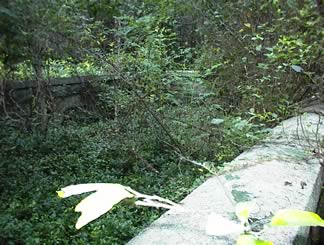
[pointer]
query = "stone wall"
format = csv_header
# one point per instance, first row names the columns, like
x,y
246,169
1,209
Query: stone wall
x,y
19,98
284,171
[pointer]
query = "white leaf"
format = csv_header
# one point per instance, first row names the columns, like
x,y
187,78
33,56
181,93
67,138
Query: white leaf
x,y
83,188
220,226
99,203
243,210
217,121
297,68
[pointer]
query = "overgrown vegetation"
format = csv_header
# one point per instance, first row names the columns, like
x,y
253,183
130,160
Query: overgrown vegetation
x,y
188,80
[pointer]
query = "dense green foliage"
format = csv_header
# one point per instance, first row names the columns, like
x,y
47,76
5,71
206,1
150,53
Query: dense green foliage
x,y
32,169
194,80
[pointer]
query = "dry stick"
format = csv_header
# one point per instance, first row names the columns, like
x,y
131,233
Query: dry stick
x,y
156,118
297,130
179,148
148,165
149,110
16,104
125,80
159,202
231,32
238,146
2,97
199,164
308,140
304,132
317,130
226,192
318,140
176,143
153,201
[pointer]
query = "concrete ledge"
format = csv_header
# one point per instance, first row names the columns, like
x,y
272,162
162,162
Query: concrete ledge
x,y
284,171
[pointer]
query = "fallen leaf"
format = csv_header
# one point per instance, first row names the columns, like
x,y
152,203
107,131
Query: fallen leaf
x,y
293,217
217,225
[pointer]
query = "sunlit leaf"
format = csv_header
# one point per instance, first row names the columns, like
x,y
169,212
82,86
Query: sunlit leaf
x,y
220,226
251,240
292,217
106,196
243,211
96,204
60,194
99,203
83,188
248,25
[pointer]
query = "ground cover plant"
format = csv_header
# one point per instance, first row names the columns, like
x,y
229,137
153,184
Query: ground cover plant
x,y
105,195
32,167
189,82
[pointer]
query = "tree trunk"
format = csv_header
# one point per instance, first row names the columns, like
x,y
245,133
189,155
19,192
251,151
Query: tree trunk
x,y
320,6
43,96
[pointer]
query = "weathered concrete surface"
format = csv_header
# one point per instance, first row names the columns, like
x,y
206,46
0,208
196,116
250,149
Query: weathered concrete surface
x,y
284,171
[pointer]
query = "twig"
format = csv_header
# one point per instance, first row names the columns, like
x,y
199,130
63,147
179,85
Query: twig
x,y
153,201
156,118
148,165
199,164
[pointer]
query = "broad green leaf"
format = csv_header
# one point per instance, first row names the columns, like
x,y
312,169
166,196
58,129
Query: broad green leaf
x,y
220,226
292,217
251,240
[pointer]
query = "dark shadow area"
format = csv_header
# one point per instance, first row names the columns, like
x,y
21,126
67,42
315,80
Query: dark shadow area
x,y
317,233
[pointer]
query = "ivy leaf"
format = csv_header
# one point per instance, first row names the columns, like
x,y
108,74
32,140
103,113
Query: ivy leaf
x,y
7,12
297,68
96,204
220,226
242,211
217,121
258,48
248,25
292,217
247,239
